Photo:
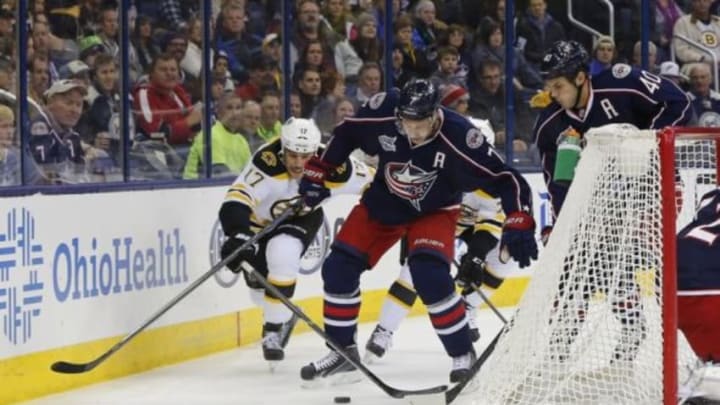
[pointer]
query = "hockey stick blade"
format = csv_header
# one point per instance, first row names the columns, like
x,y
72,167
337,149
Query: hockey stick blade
x,y
66,367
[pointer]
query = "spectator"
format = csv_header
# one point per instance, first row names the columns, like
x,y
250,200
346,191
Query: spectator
x,y
415,61
39,77
425,32
340,19
308,28
7,75
100,123
309,88
177,13
9,149
221,69
491,47
77,70
488,102
334,88
652,57
671,71
54,143
296,106
230,37
369,83
176,44
261,79
90,47
313,56
162,106
191,62
537,31
366,43
603,55
699,26
142,40
109,33
457,99
250,123
41,46
270,123
448,71
456,38
667,13
705,101
400,76
230,149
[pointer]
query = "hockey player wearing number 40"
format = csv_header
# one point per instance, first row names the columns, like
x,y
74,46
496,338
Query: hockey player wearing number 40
x,y
428,157
621,94
263,190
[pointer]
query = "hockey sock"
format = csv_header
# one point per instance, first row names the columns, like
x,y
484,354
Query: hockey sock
x,y
435,287
283,254
341,279
399,301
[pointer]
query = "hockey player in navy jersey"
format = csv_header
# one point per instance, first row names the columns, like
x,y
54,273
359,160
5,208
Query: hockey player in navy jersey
x,y
621,94
698,268
428,156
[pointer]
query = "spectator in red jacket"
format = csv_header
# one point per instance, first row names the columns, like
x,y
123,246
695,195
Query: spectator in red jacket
x,y
162,106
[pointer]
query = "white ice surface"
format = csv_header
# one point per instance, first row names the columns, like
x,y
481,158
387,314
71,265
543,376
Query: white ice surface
x,y
241,376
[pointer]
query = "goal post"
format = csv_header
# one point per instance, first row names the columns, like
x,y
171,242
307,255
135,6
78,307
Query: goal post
x,y
598,321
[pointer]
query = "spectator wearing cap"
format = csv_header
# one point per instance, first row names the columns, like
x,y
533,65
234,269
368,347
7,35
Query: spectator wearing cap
x,y
448,72
457,99
230,37
603,55
705,101
162,107
260,78
54,143
90,47
142,41
270,124
671,71
220,69
230,149
76,69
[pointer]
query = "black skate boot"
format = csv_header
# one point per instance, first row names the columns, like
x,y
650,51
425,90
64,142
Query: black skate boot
x,y
461,366
272,342
286,330
333,368
379,343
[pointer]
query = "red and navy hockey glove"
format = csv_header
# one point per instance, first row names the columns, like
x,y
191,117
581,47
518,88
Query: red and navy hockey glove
x,y
518,237
312,185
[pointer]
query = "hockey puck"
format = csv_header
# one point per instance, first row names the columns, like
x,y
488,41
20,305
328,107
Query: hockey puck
x,y
342,400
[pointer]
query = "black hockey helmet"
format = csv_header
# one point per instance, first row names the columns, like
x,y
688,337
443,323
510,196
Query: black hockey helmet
x,y
564,58
419,99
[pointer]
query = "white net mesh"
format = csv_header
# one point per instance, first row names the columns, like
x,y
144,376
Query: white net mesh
x,y
589,327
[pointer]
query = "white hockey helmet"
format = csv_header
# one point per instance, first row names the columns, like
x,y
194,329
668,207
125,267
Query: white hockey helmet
x,y
300,135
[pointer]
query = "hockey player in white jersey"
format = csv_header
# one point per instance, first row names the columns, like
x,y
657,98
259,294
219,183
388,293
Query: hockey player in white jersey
x,y
264,189
479,228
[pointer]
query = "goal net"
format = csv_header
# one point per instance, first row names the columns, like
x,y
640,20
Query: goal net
x,y
597,324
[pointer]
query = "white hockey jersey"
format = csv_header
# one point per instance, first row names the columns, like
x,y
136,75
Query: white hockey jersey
x,y
266,187
482,212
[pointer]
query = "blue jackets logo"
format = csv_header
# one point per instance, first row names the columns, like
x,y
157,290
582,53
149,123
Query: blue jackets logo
x,y
21,261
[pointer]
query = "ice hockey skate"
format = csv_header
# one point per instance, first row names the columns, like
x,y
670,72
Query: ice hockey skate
x,y
332,369
461,366
379,343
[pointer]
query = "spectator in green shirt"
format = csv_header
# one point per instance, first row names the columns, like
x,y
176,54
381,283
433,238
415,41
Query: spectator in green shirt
x,y
230,149
269,116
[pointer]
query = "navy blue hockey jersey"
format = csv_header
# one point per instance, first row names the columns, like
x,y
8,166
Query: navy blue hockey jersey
x,y
412,180
698,247
622,94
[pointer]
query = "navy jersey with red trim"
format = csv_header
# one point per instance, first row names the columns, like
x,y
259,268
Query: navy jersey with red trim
x,y
621,94
413,180
48,146
698,247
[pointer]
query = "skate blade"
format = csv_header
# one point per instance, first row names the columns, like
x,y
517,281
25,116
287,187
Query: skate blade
x,y
273,365
370,358
345,378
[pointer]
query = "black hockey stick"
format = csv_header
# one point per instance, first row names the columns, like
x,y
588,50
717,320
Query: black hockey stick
x,y
484,297
392,391
75,368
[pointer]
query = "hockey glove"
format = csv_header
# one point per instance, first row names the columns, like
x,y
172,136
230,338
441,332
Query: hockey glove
x,y
312,185
471,271
232,244
518,238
